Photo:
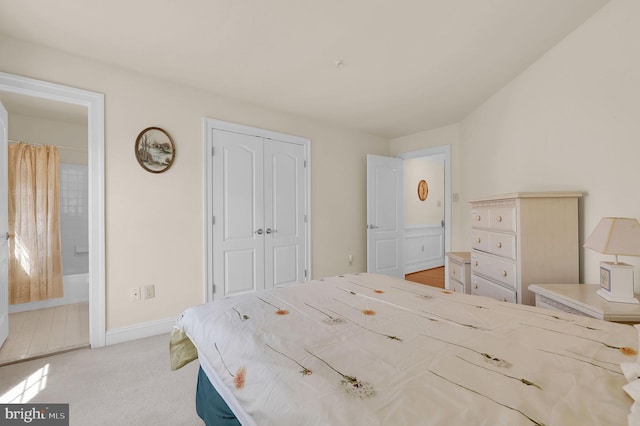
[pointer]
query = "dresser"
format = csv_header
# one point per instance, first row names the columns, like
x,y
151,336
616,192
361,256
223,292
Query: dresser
x,y
523,238
459,270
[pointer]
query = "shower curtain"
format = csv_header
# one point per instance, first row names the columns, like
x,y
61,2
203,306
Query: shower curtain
x,y
35,259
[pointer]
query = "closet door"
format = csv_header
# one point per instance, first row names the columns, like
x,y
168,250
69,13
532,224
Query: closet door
x,y
238,234
284,199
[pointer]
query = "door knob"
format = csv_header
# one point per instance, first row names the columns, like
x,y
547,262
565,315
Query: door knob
x,y
372,227
269,231
259,231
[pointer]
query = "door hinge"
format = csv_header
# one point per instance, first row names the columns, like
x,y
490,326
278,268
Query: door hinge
x,y
305,164
213,151
305,218
213,289
305,273
213,220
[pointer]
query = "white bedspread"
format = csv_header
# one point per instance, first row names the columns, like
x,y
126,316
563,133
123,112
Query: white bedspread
x,y
373,350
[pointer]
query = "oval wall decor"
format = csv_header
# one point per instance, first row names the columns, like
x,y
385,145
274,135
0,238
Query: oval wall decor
x,y
423,190
155,150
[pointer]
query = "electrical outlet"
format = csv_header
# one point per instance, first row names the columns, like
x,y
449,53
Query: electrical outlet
x,y
149,291
134,294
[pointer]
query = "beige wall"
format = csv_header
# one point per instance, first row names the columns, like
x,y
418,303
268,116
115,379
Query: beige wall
x,y
431,210
571,121
154,222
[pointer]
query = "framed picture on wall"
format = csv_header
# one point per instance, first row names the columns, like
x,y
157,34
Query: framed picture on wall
x,y
155,150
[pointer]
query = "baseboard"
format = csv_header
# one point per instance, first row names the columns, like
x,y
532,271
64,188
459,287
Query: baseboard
x,y
139,331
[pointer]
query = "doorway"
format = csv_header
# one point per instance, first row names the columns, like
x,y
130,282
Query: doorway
x,y
61,322
93,104
424,219
405,241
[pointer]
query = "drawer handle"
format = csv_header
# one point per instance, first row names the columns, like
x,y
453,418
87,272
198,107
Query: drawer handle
x,y
499,245
499,219
454,272
476,263
504,299
478,240
478,218
504,273
475,286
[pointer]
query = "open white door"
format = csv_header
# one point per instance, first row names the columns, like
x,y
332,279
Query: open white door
x,y
4,228
385,217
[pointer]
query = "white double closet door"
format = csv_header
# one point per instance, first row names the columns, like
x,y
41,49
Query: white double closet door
x,y
259,198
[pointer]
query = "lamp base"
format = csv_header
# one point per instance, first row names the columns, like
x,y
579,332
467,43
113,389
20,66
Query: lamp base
x,y
616,282
611,298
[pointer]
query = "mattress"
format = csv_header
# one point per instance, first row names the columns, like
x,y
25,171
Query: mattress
x,y
367,349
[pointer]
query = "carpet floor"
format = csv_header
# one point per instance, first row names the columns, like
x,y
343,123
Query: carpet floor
x,y
125,384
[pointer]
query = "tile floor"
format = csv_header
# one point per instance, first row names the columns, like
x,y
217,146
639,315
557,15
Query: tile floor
x,y
46,331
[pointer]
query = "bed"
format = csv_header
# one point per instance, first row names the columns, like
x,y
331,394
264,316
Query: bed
x,y
367,349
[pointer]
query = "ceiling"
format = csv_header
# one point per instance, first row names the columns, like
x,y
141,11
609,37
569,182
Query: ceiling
x,y
388,68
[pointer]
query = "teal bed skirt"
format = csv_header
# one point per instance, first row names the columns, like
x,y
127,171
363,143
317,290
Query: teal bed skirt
x,y
210,406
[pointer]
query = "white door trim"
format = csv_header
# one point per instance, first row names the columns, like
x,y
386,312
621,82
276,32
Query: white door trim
x,y
446,151
4,227
94,102
208,125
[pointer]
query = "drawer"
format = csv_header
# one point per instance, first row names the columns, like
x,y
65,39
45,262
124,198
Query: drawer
x,y
456,286
484,287
480,240
502,244
456,271
503,218
503,271
480,217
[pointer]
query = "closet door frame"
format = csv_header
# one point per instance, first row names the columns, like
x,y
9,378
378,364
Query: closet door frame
x,y
209,125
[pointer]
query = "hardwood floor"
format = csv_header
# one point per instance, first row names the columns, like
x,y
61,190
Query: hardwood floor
x,y
433,277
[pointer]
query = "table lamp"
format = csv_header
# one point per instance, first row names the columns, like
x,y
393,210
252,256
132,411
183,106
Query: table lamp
x,y
618,236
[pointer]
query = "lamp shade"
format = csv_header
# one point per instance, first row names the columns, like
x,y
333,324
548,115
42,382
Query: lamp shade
x,y
615,235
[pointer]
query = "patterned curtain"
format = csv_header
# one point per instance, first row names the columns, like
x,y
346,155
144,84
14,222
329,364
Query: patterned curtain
x,y
35,259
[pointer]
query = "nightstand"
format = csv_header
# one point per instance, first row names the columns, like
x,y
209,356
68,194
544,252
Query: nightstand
x,y
581,299
459,267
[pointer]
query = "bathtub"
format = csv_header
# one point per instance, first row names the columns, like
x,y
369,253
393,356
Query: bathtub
x,y
76,290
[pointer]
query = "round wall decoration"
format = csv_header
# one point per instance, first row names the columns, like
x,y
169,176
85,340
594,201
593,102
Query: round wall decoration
x,y
155,150
423,190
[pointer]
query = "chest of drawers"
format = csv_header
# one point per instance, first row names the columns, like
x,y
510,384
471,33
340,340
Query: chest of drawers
x,y
523,238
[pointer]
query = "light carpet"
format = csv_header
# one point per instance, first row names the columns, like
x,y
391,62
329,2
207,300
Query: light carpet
x,y
125,384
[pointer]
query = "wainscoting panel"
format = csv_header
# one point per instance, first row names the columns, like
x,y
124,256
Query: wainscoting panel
x,y
423,247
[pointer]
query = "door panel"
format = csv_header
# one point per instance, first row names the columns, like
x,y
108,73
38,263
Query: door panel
x,y
4,229
238,234
284,188
385,215
239,269
386,255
